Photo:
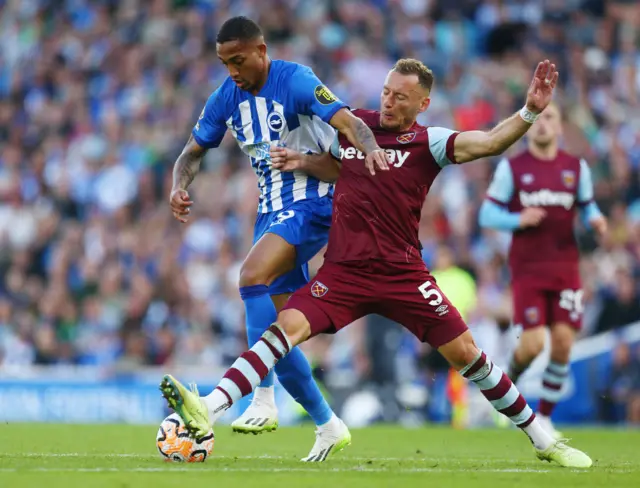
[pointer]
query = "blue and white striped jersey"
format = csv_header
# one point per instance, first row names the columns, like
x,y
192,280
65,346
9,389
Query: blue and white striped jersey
x,y
292,109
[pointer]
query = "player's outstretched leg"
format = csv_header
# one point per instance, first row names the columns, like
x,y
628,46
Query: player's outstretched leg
x,y
244,376
295,375
473,364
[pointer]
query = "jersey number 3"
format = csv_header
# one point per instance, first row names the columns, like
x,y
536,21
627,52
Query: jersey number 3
x,y
282,216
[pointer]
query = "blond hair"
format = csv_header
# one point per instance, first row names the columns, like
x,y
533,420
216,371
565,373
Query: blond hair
x,y
408,66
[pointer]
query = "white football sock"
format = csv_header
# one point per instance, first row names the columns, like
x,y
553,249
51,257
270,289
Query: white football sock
x,y
265,395
217,403
332,424
539,436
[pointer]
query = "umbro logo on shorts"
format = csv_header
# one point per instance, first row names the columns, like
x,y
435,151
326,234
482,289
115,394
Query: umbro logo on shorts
x,y
442,310
318,289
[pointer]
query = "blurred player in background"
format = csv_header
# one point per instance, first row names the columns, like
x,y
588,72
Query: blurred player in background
x,y
536,194
263,103
373,262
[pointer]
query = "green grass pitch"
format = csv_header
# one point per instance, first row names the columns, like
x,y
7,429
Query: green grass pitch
x,y
122,456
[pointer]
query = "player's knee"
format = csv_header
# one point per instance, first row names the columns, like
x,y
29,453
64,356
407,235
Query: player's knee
x,y
251,275
561,343
563,346
295,325
531,344
469,352
534,347
461,352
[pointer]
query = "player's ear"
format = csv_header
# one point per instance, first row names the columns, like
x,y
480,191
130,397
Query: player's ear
x,y
425,104
262,49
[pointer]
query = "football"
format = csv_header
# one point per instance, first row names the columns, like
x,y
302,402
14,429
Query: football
x,y
176,445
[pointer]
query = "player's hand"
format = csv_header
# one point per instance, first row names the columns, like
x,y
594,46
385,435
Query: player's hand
x,y
541,88
285,160
180,203
531,217
599,225
377,159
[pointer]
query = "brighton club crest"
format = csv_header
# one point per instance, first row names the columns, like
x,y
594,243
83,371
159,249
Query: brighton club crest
x,y
406,138
275,121
569,178
318,289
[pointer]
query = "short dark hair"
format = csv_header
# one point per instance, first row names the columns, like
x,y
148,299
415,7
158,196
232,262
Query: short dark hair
x,y
239,28
408,66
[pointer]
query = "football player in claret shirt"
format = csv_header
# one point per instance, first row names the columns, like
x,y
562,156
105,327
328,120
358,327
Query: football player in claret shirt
x,y
373,262
263,103
536,195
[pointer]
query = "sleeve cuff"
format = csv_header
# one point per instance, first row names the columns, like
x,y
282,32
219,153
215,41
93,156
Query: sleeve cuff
x,y
201,142
329,115
496,201
450,151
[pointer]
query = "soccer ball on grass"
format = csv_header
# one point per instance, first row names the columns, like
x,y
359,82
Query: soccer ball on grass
x,y
176,445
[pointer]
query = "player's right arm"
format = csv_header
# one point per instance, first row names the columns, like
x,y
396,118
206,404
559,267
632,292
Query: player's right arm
x,y
207,133
494,213
184,171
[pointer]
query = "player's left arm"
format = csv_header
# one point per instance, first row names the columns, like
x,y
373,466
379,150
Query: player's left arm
x,y
314,98
323,167
591,215
475,144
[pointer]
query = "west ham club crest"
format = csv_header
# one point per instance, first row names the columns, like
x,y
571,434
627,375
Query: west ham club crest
x,y
531,314
569,178
318,289
406,138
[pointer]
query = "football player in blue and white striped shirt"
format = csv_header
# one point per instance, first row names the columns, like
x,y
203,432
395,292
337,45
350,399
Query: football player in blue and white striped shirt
x,y
263,103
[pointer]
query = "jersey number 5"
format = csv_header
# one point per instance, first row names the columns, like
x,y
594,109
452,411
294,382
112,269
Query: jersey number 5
x,y
430,293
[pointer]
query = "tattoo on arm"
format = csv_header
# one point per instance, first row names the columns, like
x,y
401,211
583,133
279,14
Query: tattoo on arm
x,y
355,130
364,137
188,164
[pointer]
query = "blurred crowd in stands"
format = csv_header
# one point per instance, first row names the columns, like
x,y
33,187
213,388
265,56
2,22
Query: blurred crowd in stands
x,y
97,98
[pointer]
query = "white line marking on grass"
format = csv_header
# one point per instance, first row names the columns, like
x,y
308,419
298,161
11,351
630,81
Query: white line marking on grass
x,y
465,464
270,470
77,454
250,458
